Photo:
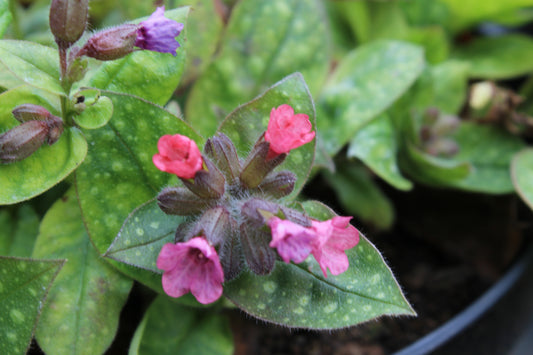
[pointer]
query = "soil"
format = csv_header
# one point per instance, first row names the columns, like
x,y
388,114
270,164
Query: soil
x,y
446,249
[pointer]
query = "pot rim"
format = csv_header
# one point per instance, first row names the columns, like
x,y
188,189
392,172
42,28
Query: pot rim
x,y
473,312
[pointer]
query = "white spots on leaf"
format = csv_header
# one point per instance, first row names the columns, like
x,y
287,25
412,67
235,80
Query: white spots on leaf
x,y
139,232
17,316
331,307
270,286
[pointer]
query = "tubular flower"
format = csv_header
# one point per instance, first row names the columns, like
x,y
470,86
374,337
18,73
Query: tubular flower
x,y
178,155
287,131
334,237
158,33
292,240
191,266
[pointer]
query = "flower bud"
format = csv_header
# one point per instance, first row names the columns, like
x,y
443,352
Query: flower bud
x,y
278,184
68,19
179,201
223,153
55,129
208,183
21,141
111,44
230,253
30,112
257,252
257,166
214,225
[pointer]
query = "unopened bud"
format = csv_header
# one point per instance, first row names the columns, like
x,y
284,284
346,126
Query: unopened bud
x,y
30,112
179,201
111,44
68,19
257,166
278,184
21,141
55,129
214,225
222,151
230,253
259,256
207,183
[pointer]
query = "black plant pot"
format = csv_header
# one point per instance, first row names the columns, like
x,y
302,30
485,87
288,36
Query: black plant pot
x,y
492,324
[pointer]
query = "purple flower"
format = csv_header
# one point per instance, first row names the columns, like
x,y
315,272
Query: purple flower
x,y
334,237
159,33
191,266
292,240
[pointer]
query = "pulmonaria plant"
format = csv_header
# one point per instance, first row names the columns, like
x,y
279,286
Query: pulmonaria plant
x,y
237,219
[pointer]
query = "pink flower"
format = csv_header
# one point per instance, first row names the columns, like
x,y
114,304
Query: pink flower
x,y
191,266
178,155
292,240
287,131
158,33
334,237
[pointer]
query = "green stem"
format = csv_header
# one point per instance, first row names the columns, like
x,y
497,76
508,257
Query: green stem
x,y
63,64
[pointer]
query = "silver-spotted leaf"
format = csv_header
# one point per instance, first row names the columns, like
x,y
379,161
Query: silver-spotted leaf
x,y
365,83
84,304
24,284
300,296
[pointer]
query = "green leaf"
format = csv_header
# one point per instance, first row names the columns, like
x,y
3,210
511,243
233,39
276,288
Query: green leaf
x,y
248,122
43,169
118,174
23,288
169,328
450,85
147,74
5,16
497,57
299,295
8,80
466,13
376,145
264,42
96,114
143,235
365,84
432,170
522,173
204,29
489,150
33,63
360,196
18,231
83,309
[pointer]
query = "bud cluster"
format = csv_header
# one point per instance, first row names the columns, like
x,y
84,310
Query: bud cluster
x,y
235,217
37,126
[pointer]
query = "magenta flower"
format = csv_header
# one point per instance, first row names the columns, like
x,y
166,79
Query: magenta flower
x,y
287,131
159,33
178,155
292,240
334,237
191,266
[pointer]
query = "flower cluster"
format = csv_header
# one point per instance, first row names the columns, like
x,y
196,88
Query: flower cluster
x,y
233,220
